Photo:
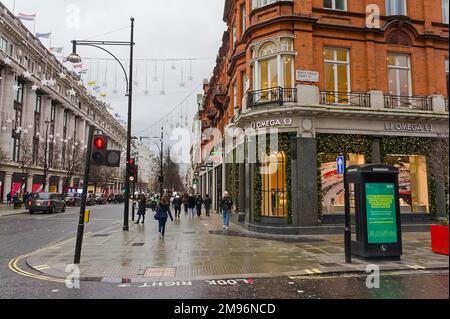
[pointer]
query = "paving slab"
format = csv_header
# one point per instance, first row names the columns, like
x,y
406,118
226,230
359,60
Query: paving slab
x,y
196,250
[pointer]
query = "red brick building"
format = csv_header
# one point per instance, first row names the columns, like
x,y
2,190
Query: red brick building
x,y
373,72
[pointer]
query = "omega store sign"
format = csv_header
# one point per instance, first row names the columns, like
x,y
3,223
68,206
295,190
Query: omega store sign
x,y
272,123
408,127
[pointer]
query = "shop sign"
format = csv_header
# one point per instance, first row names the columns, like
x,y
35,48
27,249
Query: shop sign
x,y
271,123
381,213
307,76
408,127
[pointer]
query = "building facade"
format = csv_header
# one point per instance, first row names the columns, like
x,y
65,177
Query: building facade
x,y
366,79
45,115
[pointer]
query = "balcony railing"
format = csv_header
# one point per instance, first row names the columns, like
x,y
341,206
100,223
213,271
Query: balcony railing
x,y
345,98
412,102
277,95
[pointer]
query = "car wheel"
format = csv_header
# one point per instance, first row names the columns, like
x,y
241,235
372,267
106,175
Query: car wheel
x,y
63,209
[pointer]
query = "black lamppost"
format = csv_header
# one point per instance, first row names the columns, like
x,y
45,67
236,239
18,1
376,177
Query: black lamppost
x,y
75,58
47,123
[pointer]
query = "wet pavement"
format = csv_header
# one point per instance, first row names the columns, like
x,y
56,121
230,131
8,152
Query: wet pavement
x,y
197,249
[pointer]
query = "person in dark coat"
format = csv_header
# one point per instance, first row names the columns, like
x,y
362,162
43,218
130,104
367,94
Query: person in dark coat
x,y
8,199
185,200
207,203
199,204
177,206
141,209
191,205
163,214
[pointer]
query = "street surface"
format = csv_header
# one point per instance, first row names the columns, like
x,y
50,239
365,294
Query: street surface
x,y
22,234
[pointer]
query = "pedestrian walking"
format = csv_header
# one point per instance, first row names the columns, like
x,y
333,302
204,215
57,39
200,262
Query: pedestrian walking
x,y
227,204
141,209
8,199
199,204
185,200
177,206
207,203
162,214
191,205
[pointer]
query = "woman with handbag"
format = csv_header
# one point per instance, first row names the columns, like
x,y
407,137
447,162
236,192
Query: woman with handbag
x,y
162,214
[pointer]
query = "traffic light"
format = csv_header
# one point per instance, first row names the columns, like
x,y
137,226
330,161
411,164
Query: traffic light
x,y
132,169
99,154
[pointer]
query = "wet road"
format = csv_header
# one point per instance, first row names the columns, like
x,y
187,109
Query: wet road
x,y
22,234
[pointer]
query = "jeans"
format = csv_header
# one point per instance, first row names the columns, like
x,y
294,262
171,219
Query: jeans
x,y
185,208
191,212
199,211
162,225
139,218
226,217
177,211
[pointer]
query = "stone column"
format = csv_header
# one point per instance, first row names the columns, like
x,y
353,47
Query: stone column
x,y
60,184
7,185
307,192
29,187
376,152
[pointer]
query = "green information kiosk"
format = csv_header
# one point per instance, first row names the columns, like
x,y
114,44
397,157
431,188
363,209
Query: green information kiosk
x,y
377,211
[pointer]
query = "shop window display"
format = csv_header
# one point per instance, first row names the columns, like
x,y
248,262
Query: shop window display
x,y
274,193
333,194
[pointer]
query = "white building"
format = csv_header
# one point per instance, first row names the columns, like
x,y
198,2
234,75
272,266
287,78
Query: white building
x,y
44,108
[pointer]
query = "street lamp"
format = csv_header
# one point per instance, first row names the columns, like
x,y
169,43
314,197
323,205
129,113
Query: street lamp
x,y
47,122
74,57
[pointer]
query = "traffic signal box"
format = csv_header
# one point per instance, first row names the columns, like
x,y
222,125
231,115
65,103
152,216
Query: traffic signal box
x,y
101,156
132,169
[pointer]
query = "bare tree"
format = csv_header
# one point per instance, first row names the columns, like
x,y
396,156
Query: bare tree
x,y
73,163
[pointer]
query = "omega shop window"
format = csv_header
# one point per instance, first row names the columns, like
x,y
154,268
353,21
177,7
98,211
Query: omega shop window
x,y
413,182
333,183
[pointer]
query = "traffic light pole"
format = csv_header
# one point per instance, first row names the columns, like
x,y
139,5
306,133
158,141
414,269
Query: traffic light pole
x,y
87,168
161,180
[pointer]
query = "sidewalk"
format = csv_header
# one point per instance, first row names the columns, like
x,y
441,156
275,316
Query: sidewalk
x,y
9,210
200,250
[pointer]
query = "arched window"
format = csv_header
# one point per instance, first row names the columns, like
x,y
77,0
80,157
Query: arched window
x,y
273,65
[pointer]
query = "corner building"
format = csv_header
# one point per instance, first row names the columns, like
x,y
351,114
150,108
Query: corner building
x,y
332,80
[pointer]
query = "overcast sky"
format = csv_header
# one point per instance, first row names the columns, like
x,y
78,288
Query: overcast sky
x,y
165,29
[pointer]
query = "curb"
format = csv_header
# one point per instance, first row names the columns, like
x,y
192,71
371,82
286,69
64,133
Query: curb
x,y
12,214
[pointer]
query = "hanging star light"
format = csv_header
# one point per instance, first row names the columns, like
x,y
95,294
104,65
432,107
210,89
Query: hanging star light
x,y
80,83
51,82
27,74
7,61
4,128
62,75
34,88
71,92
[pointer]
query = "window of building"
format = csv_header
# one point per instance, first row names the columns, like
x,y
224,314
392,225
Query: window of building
x,y
273,65
243,18
337,74
274,191
4,44
38,107
53,112
446,76
413,182
335,4
445,8
399,77
20,91
333,183
234,35
262,3
396,7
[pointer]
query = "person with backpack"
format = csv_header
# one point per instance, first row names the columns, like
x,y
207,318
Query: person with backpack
x,y
162,214
198,204
227,205
177,206
207,203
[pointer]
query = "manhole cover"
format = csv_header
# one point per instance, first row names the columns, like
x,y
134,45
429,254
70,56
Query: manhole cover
x,y
137,245
160,272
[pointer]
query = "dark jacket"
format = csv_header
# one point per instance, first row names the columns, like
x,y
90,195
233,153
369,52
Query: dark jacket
x,y
199,201
227,203
208,203
177,202
191,201
164,212
142,207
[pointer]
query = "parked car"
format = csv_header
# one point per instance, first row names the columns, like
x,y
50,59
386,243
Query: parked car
x,y
119,198
73,199
47,202
100,199
91,200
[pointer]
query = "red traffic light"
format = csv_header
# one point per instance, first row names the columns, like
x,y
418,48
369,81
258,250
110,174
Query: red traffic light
x,y
131,162
100,143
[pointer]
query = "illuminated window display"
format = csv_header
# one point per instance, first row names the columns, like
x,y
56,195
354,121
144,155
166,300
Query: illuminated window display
x,y
413,182
274,193
333,183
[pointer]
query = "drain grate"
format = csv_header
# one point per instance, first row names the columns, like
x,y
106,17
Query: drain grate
x,y
137,245
160,272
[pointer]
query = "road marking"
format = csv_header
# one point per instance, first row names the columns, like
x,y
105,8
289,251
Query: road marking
x,y
317,271
417,267
309,271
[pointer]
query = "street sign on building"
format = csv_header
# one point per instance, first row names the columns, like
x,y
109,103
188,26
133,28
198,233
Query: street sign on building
x,y
340,165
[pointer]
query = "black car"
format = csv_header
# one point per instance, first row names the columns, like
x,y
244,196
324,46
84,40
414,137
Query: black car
x,y
91,200
101,199
73,199
47,202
